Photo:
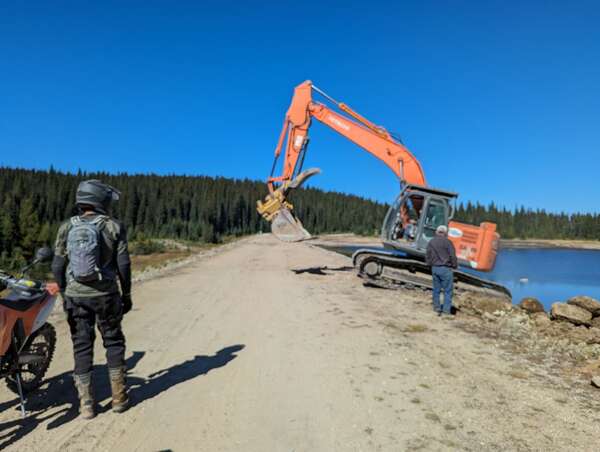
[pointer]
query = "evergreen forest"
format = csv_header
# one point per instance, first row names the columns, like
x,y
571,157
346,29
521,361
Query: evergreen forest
x,y
33,203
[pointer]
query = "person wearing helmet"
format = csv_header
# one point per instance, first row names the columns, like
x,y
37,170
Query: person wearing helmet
x,y
441,256
92,267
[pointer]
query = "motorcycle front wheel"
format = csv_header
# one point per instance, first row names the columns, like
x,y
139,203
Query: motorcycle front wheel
x,y
34,360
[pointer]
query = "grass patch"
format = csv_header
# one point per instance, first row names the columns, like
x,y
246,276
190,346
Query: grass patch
x,y
389,325
155,253
453,445
433,417
141,263
519,374
415,328
144,247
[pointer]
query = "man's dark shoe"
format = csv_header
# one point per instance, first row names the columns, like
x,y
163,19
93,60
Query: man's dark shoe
x,y
83,383
118,387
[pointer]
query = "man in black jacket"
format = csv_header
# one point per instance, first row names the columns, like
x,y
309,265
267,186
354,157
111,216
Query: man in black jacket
x,y
441,256
91,261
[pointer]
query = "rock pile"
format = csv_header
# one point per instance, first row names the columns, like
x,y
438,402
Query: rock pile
x,y
588,303
580,310
577,320
570,330
531,305
480,304
571,313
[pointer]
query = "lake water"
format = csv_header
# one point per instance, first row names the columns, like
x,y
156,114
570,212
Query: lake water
x,y
551,274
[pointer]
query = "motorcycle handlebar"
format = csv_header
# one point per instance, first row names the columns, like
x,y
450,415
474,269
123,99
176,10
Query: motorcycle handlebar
x,y
27,284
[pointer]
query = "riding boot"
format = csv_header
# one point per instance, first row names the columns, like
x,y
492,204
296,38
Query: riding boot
x,y
120,400
83,383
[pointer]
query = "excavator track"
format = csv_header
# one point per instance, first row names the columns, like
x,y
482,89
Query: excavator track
x,y
390,270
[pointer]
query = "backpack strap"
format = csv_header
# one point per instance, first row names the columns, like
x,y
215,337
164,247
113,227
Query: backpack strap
x,y
99,220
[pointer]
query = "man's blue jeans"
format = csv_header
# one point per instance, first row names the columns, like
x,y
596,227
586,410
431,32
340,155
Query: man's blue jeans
x,y
443,279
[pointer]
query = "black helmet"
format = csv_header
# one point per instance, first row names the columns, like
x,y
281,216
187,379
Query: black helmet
x,y
96,194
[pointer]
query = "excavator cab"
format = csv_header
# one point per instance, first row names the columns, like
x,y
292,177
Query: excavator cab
x,y
412,220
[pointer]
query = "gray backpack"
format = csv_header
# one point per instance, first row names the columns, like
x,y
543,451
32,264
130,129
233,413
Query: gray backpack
x,y
83,247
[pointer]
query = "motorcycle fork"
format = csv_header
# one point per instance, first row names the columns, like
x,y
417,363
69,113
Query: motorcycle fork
x,y
17,374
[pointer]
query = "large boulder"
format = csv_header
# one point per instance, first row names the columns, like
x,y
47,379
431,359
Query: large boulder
x,y
596,322
531,305
588,303
571,313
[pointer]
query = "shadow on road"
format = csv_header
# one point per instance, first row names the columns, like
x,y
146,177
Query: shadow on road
x,y
320,270
56,403
142,389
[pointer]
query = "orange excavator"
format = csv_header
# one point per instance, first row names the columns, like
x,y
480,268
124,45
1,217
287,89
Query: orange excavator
x,y
411,220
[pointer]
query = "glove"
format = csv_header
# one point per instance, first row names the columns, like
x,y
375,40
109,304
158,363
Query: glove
x,y
127,305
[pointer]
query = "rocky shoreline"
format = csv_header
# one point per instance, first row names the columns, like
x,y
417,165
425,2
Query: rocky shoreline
x,y
568,335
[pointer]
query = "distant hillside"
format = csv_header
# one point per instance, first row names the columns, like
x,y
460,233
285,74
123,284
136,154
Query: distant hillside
x,y
34,203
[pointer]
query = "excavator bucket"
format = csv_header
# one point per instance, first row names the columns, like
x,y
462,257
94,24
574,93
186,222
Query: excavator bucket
x,y
287,228
279,212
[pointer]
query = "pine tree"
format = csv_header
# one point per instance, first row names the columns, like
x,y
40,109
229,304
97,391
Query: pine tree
x,y
29,227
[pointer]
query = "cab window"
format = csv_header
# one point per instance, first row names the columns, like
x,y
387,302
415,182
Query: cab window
x,y
435,216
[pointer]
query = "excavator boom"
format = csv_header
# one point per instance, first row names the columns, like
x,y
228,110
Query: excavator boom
x,y
374,139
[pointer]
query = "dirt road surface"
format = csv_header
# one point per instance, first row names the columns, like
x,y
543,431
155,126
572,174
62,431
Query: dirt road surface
x,y
267,346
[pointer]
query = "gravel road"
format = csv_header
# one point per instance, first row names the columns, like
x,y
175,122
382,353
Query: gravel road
x,y
266,346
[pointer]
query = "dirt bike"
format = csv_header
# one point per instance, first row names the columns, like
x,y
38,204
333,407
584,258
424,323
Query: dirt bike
x,y
27,341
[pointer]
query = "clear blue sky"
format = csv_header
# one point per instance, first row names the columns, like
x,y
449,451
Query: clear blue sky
x,y
500,101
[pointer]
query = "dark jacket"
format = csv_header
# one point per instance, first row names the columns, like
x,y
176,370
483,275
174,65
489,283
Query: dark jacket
x,y
114,255
440,252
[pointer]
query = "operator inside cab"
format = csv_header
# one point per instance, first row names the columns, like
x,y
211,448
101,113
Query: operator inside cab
x,y
406,221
